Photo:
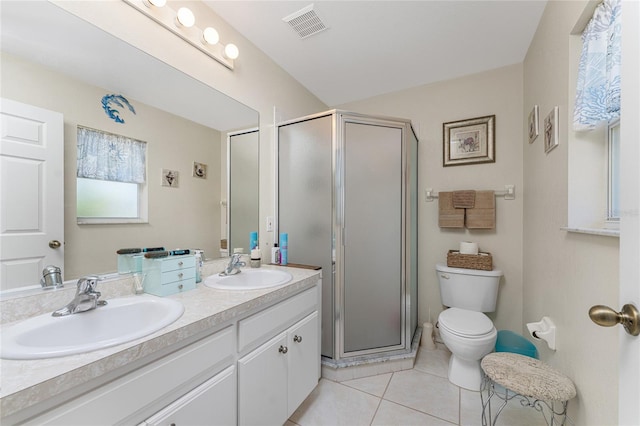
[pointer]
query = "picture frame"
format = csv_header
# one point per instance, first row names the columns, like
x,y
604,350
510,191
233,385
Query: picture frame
x,y
470,141
170,178
533,124
199,170
551,132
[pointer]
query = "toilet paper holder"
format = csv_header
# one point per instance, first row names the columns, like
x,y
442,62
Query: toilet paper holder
x,y
544,330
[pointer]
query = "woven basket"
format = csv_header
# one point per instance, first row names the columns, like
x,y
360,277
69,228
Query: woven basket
x,y
482,261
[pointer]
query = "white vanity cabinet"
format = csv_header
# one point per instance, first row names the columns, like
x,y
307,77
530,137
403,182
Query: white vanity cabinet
x,y
275,377
255,367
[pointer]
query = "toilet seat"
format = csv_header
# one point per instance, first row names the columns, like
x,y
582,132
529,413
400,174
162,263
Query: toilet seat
x,y
465,323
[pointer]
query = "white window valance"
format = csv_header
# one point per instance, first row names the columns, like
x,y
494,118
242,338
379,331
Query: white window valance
x,y
598,85
106,156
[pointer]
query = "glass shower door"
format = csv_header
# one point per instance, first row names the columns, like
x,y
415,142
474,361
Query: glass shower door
x,y
372,288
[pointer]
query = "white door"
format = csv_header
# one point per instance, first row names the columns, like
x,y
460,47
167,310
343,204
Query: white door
x,y
31,193
629,373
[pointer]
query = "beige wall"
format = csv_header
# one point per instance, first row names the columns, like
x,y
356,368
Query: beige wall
x,y
172,143
496,92
564,274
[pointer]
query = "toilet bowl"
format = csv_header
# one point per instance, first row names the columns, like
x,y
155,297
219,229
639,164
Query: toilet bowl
x,y
469,336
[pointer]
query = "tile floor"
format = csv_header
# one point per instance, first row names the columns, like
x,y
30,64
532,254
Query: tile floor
x,y
420,396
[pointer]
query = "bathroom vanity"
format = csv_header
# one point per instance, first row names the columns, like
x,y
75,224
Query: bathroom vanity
x,y
234,357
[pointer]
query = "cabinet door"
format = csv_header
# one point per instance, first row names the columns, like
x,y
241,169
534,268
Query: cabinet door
x,y
212,403
304,359
262,384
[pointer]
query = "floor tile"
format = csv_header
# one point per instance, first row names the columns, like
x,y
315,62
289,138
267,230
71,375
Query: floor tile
x,y
425,392
434,362
374,385
391,414
334,404
513,414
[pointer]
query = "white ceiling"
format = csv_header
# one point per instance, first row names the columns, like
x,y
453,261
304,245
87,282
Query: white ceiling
x,y
377,47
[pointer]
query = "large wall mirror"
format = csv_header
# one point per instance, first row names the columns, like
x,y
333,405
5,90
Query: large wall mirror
x,y
52,59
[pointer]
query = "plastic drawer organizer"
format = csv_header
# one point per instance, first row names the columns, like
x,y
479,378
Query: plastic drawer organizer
x,y
169,275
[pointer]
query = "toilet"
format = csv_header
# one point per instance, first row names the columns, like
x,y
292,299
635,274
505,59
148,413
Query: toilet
x,y
465,330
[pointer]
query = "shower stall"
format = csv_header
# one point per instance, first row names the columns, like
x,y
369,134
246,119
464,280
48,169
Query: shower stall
x,y
347,197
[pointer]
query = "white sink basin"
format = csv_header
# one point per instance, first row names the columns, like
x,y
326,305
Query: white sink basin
x,y
120,321
249,279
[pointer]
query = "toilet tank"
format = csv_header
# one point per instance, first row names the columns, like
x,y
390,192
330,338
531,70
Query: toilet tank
x,y
471,289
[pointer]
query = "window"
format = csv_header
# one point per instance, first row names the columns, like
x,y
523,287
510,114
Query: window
x,y
594,155
111,178
613,175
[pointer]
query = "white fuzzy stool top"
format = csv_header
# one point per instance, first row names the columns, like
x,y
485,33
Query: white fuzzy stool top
x,y
528,376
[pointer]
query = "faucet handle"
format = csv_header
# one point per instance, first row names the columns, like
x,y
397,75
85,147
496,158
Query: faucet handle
x,y
87,284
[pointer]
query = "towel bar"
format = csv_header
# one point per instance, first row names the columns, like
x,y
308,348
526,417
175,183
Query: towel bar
x,y
509,193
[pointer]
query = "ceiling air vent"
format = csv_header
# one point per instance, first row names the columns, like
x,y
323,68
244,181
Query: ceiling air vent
x,y
305,22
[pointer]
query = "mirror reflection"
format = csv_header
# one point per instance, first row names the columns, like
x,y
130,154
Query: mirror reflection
x,y
56,61
243,179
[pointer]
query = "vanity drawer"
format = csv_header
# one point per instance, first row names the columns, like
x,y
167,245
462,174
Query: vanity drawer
x,y
265,324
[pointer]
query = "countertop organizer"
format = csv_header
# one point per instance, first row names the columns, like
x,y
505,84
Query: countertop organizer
x,y
169,275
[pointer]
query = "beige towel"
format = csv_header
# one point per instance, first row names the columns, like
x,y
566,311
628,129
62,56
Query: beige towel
x,y
464,199
483,214
449,217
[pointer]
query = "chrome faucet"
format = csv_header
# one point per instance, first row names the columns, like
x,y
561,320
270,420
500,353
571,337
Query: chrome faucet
x,y
234,265
86,298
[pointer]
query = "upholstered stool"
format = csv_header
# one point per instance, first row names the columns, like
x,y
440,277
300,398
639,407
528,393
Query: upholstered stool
x,y
533,382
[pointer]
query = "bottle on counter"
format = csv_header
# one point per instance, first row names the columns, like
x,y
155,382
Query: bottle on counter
x,y
256,256
275,254
284,248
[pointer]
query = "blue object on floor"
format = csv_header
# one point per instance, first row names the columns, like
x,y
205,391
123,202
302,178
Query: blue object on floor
x,y
508,341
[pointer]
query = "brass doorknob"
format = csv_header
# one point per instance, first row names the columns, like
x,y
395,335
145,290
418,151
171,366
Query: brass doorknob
x,y
54,244
629,317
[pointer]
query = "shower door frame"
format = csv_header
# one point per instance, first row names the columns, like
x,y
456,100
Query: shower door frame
x,y
341,119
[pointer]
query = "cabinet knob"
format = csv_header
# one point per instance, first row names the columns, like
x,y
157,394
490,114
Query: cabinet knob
x,y
180,275
180,286
283,349
297,338
180,263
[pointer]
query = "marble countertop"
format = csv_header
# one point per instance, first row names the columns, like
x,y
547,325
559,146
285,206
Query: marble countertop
x,y
24,383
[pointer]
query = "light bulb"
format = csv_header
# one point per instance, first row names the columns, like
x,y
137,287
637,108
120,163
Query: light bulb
x,y
210,36
231,51
185,17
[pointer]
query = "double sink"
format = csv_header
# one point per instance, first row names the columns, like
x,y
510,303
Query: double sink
x,y
120,321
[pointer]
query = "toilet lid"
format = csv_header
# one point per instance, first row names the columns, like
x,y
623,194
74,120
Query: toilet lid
x,y
465,323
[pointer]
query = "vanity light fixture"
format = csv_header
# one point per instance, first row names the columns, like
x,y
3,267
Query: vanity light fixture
x,y
182,24
185,17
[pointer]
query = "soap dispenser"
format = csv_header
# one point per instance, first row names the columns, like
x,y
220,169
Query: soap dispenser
x,y
256,255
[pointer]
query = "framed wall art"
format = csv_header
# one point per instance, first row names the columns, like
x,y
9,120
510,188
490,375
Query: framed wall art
x,y
533,124
551,130
469,141
170,178
199,170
